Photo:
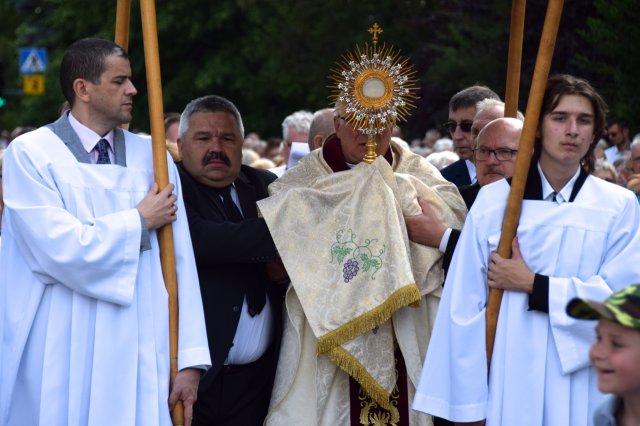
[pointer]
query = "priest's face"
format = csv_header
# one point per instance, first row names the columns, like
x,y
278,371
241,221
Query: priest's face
x,y
566,132
111,99
211,149
353,143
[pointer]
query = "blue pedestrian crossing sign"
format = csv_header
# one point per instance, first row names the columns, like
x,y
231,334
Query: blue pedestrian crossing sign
x,y
33,60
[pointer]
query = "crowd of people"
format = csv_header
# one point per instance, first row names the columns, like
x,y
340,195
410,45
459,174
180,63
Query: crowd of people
x,y
314,287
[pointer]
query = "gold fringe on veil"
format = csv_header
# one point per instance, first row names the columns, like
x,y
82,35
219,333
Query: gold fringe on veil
x,y
408,295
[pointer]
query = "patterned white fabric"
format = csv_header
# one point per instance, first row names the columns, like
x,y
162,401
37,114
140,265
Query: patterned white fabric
x,y
343,241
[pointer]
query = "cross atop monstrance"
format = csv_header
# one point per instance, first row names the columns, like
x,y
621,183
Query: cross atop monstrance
x,y
376,87
375,30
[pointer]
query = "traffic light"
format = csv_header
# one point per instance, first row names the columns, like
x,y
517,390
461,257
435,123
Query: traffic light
x,y
3,101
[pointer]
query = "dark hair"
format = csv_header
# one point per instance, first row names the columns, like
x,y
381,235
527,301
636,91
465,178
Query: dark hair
x,y
564,84
211,103
621,122
470,96
86,59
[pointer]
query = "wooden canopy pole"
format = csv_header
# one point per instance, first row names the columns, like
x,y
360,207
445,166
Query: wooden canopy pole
x,y
514,63
523,159
165,234
123,21
123,18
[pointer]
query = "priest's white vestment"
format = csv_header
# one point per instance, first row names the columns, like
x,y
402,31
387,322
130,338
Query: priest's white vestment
x,y
83,310
310,203
540,372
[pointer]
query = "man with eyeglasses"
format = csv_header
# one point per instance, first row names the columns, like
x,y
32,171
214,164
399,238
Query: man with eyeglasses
x,y
496,150
494,156
462,109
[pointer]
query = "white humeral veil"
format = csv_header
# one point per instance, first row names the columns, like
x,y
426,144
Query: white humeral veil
x,y
354,274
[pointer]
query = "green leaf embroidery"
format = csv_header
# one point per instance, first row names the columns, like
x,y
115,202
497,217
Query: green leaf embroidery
x,y
345,248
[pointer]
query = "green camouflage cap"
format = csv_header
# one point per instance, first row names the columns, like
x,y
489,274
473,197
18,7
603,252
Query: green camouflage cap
x,y
622,307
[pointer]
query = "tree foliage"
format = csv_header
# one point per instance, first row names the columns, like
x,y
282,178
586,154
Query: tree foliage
x,y
272,57
614,58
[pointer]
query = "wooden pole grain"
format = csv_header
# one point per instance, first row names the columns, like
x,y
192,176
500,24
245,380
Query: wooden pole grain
x,y
514,62
159,152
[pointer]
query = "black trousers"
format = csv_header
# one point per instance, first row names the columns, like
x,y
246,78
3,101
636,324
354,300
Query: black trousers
x,y
238,396
437,421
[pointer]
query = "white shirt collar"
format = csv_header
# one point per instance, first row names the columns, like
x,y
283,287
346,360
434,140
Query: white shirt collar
x,y
471,167
564,195
88,137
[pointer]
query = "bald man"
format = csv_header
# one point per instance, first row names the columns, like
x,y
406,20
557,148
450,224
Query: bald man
x,y
494,157
321,127
496,149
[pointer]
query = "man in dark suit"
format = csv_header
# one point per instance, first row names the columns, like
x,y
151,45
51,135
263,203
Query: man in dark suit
x,y
237,264
462,109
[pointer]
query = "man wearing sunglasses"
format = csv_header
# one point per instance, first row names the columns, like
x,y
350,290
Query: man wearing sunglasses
x,y
462,109
618,136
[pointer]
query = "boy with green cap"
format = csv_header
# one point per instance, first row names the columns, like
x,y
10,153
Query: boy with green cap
x,y
615,355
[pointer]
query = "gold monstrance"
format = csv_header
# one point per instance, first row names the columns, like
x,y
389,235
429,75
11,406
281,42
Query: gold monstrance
x,y
377,86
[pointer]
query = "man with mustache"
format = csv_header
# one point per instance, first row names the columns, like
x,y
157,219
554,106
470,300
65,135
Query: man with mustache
x,y
237,264
496,149
494,156
83,305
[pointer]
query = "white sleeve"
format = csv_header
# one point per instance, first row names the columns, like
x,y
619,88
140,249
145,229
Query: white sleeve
x,y
193,349
619,268
98,259
453,383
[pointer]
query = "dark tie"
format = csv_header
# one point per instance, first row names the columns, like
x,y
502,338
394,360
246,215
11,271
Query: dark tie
x,y
554,196
230,208
103,152
255,294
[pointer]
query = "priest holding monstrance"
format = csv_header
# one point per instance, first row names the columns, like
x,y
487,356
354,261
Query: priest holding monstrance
x,y
363,297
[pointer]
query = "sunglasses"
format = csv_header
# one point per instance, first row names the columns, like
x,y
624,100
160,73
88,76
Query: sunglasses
x,y
465,126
